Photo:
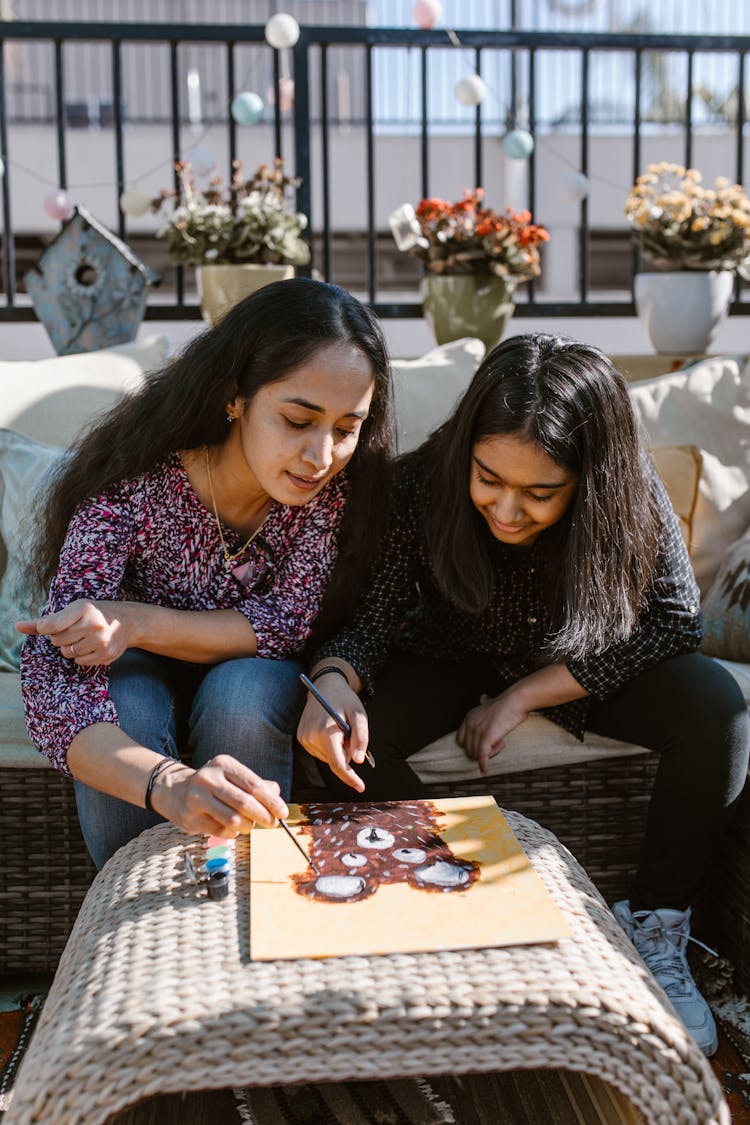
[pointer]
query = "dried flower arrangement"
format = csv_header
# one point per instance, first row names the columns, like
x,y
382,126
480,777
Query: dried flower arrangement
x,y
681,225
248,221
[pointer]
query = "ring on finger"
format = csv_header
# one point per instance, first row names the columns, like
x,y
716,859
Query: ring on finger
x,y
72,650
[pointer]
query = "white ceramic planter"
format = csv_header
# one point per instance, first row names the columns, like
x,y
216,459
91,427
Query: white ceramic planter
x,y
682,311
221,287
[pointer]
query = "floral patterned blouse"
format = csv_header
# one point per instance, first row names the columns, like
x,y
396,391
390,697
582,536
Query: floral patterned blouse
x,y
151,540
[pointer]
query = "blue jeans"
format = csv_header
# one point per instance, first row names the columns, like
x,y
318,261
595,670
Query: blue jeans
x,y
247,708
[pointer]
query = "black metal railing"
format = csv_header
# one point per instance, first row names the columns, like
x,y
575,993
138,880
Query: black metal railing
x,y
654,100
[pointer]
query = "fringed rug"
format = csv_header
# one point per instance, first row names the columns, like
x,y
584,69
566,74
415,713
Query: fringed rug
x,y
731,1063
479,1099
15,1031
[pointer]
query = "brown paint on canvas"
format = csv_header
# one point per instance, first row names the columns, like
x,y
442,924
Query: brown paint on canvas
x,y
358,847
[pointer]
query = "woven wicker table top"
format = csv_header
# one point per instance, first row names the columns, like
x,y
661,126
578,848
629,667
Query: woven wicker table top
x,y
155,993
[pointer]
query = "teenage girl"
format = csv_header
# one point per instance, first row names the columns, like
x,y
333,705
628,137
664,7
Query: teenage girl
x,y
533,563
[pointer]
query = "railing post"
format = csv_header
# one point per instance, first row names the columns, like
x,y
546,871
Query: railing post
x,y
302,131
175,98
62,171
117,124
326,166
9,254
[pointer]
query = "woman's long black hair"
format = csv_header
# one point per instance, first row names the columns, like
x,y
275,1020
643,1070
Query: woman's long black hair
x,y
570,400
258,342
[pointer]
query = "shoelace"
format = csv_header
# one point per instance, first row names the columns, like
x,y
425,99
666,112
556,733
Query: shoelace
x,y
671,961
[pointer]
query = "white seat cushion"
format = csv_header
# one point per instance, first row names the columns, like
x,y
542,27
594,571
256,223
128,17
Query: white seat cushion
x,y
537,743
15,749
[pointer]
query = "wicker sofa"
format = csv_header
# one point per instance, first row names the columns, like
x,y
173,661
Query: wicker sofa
x,y
592,795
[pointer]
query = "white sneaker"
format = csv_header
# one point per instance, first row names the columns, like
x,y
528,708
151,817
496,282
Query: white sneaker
x,y
661,938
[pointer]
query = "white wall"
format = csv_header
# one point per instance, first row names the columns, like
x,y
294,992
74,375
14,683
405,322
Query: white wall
x,y
615,335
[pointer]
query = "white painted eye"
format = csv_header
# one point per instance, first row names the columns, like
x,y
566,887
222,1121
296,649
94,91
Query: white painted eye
x,y
410,855
354,859
442,874
374,838
340,886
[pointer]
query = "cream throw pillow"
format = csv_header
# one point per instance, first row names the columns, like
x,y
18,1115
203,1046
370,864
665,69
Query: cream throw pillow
x,y
425,390
52,399
706,405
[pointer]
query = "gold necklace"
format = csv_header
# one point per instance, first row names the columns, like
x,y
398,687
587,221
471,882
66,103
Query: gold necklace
x,y
228,559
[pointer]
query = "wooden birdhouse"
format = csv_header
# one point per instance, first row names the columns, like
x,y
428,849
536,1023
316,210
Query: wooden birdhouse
x,y
88,288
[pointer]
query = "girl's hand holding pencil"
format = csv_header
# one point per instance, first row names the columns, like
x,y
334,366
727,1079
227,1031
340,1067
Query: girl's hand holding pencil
x,y
333,726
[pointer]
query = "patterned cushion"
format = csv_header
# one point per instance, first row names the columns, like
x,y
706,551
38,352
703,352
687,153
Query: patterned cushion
x,y
24,465
726,607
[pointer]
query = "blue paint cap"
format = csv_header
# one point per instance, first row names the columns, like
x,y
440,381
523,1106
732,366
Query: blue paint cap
x,y
218,863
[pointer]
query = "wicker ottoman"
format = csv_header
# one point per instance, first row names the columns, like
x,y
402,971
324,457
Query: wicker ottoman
x,y
155,994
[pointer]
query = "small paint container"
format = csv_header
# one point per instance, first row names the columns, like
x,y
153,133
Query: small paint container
x,y
218,852
218,884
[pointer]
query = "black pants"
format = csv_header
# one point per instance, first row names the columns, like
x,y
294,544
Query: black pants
x,y
689,709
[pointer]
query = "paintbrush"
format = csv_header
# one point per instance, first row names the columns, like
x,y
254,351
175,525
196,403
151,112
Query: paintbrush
x,y
338,720
297,844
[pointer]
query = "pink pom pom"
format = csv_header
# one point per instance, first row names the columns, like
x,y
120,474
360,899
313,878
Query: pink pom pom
x,y
58,205
426,13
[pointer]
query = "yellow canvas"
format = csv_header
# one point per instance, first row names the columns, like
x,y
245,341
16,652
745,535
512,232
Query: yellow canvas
x,y
396,877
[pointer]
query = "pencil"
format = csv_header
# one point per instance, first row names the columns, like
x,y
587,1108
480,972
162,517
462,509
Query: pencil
x,y
297,844
338,719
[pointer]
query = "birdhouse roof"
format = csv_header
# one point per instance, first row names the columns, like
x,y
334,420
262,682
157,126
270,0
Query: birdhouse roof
x,y
83,217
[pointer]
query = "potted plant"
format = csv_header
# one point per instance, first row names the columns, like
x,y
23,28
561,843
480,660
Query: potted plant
x,y
696,239
239,236
473,258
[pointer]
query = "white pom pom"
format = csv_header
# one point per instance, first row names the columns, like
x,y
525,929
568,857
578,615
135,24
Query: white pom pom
x,y
281,31
134,203
576,186
471,90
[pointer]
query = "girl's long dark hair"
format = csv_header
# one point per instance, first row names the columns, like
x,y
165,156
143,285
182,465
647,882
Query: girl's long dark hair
x,y
258,342
569,400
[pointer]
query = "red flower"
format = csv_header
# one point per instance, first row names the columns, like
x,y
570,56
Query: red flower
x,y
466,237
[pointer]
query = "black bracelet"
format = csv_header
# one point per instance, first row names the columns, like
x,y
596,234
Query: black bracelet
x,y
329,668
158,768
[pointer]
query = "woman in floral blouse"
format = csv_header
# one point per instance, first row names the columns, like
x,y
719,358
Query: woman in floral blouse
x,y
533,563
187,546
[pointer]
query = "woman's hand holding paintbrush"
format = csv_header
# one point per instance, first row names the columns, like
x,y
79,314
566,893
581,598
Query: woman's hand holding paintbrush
x,y
333,726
